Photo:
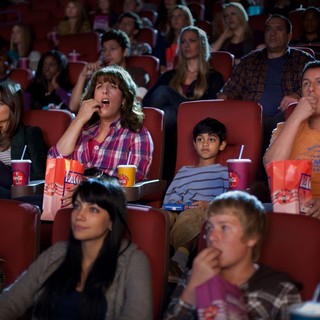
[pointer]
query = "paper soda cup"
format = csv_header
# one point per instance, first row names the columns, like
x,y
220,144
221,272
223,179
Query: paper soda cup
x,y
127,175
74,56
24,63
239,173
20,172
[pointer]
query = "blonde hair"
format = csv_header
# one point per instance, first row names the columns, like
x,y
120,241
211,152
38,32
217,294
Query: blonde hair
x,y
181,68
241,12
170,34
250,212
26,38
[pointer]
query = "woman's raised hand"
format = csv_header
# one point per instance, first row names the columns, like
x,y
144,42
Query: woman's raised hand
x,y
87,109
90,68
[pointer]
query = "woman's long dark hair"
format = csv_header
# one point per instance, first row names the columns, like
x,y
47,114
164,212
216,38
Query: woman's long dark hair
x,y
107,194
63,77
11,95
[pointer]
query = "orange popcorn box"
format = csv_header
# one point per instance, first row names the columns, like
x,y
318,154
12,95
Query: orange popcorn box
x,y
290,185
60,175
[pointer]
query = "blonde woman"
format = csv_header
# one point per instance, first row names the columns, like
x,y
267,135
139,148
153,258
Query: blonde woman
x,y
237,37
191,79
21,42
178,17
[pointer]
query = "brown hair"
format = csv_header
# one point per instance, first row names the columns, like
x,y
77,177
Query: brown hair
x,y
181,68
27,40
11,95
131,112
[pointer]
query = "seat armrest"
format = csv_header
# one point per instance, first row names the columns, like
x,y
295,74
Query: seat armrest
x,y
144,188
35,187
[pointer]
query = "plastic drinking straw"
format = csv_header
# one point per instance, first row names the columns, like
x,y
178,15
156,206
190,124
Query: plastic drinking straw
x,y
24,151
129,157
241,151
316,294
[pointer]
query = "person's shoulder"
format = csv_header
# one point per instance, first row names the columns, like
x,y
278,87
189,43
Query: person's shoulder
x,y
254,54
31,131
129,252
300,54
268,279
54,253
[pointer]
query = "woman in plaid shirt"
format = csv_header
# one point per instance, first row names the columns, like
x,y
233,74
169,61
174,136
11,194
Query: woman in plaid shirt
x,y
108,129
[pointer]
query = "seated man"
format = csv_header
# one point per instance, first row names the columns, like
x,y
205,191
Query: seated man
x,y
115,48
235,229
130,23
299,136
270,76
193,188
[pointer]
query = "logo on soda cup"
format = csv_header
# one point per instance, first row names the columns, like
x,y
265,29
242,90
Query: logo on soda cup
x,y
233,179
18,178
123,180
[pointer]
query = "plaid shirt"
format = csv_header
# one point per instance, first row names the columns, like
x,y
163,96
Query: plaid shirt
x,y
247,79
268,294
114,150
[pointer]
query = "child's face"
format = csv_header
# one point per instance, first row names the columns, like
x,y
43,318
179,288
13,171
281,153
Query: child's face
x,y
208,145
225,233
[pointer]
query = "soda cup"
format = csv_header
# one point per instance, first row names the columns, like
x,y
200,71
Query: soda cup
x,y
20,172
127,175
239,173
24,63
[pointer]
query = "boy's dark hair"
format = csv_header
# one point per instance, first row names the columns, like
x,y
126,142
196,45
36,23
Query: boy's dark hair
x,y
117,35
211,126
134,16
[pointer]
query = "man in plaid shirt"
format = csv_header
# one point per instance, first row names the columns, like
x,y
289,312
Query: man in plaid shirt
x,y
234,232
270,76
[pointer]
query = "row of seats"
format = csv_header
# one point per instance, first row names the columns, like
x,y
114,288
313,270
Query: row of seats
x,y
20,230
282,250
222,61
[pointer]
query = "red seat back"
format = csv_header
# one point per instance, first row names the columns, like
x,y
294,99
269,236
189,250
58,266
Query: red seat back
x,y
148,35
223,62
292,246
74,68
19,231
22,76
154,123
53,123
149,63
86,43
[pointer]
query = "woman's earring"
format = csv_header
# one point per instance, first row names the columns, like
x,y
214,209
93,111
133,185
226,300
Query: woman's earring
x,y
122,105
110,227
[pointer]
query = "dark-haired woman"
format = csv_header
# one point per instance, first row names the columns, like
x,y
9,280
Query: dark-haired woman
x,y
108,129
96,275
50,87
14,136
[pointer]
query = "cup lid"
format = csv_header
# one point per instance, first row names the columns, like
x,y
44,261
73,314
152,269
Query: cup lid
x,y
25,160
126,166
238,160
